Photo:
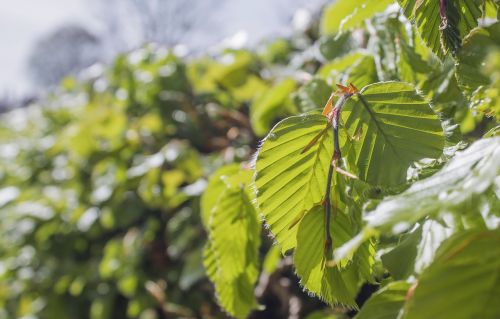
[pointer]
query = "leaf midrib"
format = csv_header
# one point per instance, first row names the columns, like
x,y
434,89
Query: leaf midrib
x,y
377,124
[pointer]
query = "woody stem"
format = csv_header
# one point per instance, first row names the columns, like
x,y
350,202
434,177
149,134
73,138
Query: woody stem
x,y
335,157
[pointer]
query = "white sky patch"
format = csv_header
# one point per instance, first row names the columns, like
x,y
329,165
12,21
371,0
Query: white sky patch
x,y
22,22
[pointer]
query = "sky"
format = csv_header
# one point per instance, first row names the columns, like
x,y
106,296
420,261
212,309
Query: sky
x,y
22,22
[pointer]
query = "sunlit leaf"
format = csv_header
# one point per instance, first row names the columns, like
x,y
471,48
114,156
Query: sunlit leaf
x,y
231,257
270,104
445,34
215,187
473,56
398,127
289,182
416,251
462,282
332,284
468,174
347,14
312,96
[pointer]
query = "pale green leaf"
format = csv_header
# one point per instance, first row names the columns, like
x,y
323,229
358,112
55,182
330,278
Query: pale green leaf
x,y
396,127
235,296
332,284
272,260
469,173
363,72
443,36
332,71
386,303
462,282
491,9
231,257
472,57
347,14
400,261
312,96
416,250
288,182
411,64
214,190
320,315
269,105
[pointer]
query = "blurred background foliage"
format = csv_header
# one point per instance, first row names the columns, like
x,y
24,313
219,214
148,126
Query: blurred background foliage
x,y
101,182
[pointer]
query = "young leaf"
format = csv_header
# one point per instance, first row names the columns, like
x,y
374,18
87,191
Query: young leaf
x,y
462,282
346,14
214,190
269,104
312,96
416,251
289,182
236,296
443,24
332,284
472,57
332,71
385,303
335,46
362,73
398,127
468,174
231,257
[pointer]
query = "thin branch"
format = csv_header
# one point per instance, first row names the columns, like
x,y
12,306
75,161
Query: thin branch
x,y
328,212
333,165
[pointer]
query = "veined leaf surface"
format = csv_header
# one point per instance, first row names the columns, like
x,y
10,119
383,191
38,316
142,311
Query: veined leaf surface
x,y
397,126
469,173
289,182
443,36
333,284
471,59
231,257
462,282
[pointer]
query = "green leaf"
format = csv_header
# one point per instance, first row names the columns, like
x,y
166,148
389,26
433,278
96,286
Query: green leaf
x,y
363,72
332,284
231,257
335,46
235,296
463,281
272,260
396,127
332,71
416,250
491,9
400,261
214,190
269,105
289,182
319,314
443,35
472,57
441,87
312,96
386,303
411,64
467,175
347,14
234,233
